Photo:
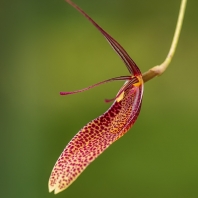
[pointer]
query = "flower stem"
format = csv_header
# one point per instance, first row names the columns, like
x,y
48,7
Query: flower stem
x,y
159,69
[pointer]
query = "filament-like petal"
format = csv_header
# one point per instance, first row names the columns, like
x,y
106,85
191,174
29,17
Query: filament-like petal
x,y
97,84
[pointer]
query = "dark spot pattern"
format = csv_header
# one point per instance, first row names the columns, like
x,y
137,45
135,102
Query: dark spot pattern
x,y
95,137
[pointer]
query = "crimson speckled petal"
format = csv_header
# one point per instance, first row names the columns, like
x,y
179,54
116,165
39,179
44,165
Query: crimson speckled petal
x,y
95,137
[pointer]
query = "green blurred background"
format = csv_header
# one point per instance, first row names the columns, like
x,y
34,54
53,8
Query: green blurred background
x,y
47,47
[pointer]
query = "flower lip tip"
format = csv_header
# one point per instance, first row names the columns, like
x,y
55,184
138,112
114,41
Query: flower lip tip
x,y
50,189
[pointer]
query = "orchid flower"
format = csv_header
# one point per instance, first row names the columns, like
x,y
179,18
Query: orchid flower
x,y
100,133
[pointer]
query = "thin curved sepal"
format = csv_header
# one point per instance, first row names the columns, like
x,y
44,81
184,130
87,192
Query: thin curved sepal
x,y
130,64
97,136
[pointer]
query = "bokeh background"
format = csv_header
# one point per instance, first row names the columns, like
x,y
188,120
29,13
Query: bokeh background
x,y
47,47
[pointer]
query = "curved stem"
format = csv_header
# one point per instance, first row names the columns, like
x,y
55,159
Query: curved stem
x,y
159,69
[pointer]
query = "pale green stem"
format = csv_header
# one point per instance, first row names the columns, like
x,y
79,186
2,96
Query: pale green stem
x,y
159,69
